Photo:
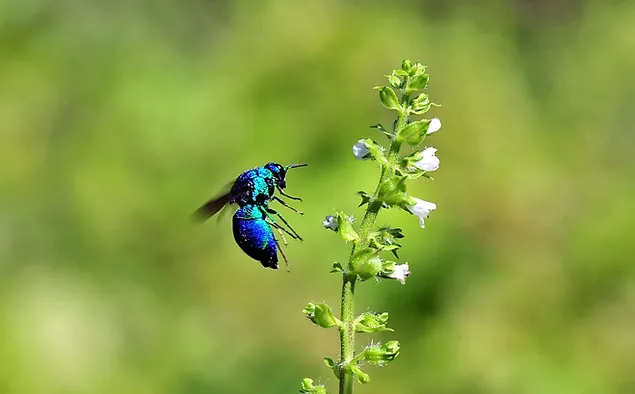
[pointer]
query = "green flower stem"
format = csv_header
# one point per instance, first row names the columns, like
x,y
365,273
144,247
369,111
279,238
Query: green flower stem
x,y
347,333
347,330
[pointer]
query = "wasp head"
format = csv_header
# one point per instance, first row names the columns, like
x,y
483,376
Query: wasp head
x,y
280,172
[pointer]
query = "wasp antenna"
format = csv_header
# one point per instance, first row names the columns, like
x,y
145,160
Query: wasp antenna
x,y
295,166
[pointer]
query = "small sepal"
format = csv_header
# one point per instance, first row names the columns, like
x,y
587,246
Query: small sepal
x,y
365,198
333,366
393,191
369,322
385,239
414,133
375,151
337,267
382,129
388,97
343,224
321,315
361,376
345,227
307,387
380,355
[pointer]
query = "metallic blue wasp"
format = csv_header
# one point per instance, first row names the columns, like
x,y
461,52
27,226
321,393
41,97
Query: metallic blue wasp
x,y
253,221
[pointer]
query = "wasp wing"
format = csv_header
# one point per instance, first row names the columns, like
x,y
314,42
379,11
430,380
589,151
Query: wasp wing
x,y
212,207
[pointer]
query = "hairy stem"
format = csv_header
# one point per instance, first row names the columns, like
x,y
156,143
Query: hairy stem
x,y
347,331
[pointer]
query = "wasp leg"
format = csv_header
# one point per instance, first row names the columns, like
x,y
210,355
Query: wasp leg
x,y
287,205
269,211
280,230
279,227
284,256
288,196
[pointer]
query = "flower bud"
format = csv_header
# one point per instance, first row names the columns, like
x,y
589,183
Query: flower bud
x,y
307,387
369,322
418,82
368,268
321,315
360,151
394,81
380,355
406,65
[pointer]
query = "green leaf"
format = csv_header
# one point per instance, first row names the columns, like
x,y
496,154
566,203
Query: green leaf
x,y
388,97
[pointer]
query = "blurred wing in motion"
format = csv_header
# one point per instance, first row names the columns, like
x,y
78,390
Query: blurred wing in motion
x,y
212,207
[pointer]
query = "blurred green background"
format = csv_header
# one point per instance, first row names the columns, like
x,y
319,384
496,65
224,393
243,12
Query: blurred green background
x,y
118,118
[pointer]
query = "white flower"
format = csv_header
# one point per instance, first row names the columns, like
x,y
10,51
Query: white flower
x,y
330,222
429,161
402,271
360,151
422,209
434,126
